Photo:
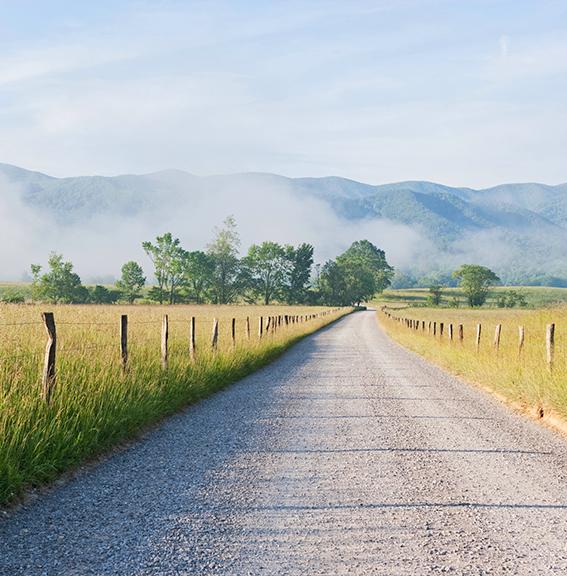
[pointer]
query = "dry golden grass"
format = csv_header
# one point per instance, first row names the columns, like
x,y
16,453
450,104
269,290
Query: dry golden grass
x,y
94,404
523,378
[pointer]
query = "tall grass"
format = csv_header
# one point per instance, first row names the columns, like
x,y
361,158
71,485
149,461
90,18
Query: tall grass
x,y
522,378
95,405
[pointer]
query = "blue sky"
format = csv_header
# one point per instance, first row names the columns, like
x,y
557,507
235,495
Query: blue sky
x,y
461,92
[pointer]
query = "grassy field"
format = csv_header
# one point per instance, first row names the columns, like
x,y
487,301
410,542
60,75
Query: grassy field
x,y
95,405
536,296
521,377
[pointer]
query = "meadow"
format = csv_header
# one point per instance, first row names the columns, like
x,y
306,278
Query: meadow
x,y
96,403
522,375
536,296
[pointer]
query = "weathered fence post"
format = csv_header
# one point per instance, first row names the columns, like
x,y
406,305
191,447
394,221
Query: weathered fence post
x,y
441,327
124,342
497,334
260,326
248,327
478,333
192,338
268,323
434,328
215,335
450,329
164,339
48,379
233,332
550,344
521,339
460,331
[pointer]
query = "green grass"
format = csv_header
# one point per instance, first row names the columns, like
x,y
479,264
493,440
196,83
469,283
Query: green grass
x,y
95,406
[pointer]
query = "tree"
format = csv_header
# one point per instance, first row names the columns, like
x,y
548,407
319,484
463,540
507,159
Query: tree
x,y
266,268
356,275
331,284
372,259
301,262
475,281
36,282
198,275
435,294
131,281
102,295
60,284
224,252
168,258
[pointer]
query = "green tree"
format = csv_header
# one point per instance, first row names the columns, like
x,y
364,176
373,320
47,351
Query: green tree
x,y
168,258
435,294
365,255
131,282
199,274
299,275
102,295
224,252
331,284
266,268
61,284
36,282
475,281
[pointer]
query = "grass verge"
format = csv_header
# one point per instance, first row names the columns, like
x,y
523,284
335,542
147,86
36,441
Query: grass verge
x,y
95,406
521,377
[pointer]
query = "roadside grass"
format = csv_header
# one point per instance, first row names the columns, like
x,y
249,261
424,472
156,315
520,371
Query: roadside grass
x,y
536,296
522,378
95,405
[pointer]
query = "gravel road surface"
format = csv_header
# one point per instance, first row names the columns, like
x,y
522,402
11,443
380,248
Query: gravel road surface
x,y
348,455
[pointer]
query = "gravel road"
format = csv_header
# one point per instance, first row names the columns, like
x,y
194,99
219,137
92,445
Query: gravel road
x,y
348,455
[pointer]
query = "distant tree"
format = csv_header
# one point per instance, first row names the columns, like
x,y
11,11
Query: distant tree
x,y
266,268
131,281
60,284
511,299
435,294
198,275
168,258
36,282
102,295
299,273
364,255
332,284
475,282
224,252
355,276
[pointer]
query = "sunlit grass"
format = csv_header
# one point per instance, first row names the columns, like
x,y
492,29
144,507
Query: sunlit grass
x,y
522,377
95,404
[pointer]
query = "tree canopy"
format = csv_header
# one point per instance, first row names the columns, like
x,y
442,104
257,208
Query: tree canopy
x,y
475,281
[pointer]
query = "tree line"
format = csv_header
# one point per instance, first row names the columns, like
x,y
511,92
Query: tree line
x,y
269,272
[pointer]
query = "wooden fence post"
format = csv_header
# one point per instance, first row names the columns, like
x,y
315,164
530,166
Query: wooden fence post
x,y
248,327
434,328
215,335
550,344
192,338
124,342
441,327
461,333
260,326
164,340
233,332
478,333
48,379
450,330
521,339
497,334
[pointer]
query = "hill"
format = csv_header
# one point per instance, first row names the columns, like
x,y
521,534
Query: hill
x,y
520,229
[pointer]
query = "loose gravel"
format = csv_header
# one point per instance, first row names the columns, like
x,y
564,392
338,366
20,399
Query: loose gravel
x,y
348,455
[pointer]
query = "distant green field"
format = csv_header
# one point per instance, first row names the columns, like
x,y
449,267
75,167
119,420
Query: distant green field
x,y
536,296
